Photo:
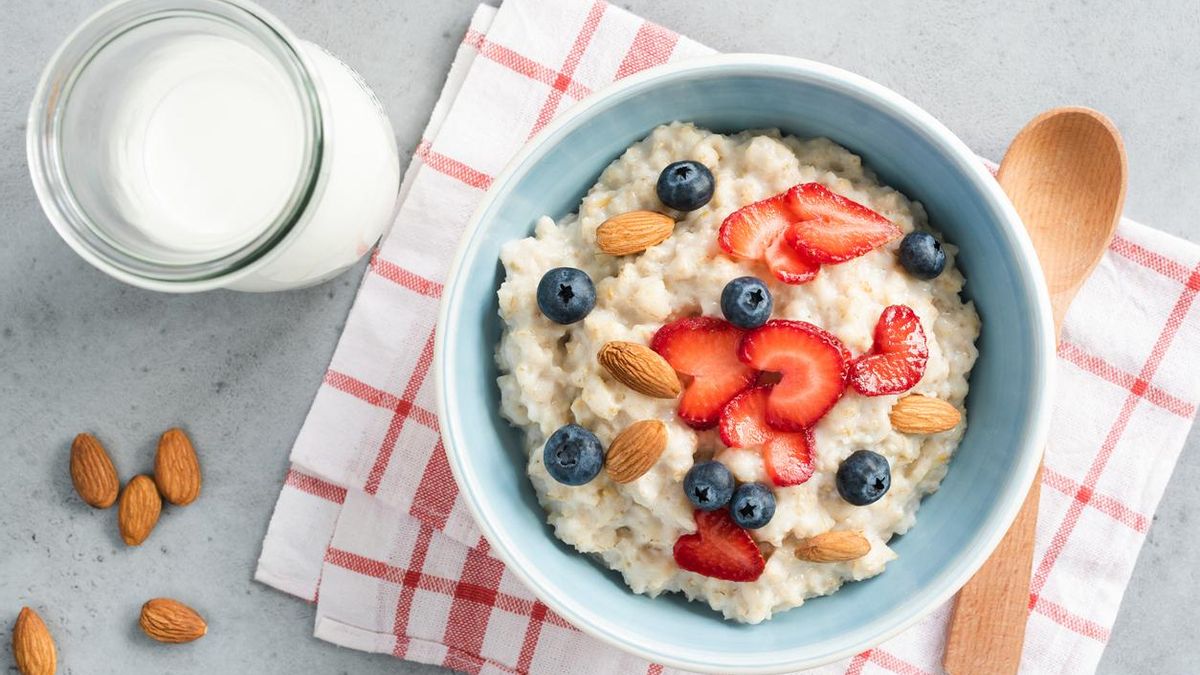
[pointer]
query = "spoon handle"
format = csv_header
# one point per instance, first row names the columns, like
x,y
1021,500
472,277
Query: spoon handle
x,y
987,628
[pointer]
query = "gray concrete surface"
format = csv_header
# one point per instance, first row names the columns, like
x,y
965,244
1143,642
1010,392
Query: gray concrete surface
x,y
80,351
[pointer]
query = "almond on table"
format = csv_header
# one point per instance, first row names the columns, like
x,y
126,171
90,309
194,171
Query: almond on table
x,y
176,468
93,473
138,512
32,645
168,620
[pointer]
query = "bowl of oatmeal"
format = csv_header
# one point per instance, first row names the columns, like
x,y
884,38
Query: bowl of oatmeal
x,y
717,491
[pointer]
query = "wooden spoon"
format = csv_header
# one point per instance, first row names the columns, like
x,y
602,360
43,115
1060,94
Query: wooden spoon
x,y
1065,174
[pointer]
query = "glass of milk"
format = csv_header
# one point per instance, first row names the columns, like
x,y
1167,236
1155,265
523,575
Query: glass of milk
x,y
186,145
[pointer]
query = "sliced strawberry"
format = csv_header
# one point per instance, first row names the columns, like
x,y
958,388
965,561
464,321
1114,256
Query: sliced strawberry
x,y
750,231
897,360
846,355
813,368
756,232
787,455
719,549
830,228
788,266
706,349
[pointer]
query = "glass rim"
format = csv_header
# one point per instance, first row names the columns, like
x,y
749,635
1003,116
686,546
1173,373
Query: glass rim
x,y
44,139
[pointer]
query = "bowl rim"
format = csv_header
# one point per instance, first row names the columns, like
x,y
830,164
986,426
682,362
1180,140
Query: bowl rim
x,y
963,160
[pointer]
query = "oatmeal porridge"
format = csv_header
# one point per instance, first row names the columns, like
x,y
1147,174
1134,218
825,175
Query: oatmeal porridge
x,y
697,446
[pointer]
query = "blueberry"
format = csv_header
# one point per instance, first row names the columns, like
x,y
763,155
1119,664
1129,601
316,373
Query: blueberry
x,y
709,485
573,455
753,505
864,477
746,302
566,295
922,255
685,186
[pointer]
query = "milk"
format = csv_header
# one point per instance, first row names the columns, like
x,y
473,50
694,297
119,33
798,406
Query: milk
x,y
199,143
212,144
199,153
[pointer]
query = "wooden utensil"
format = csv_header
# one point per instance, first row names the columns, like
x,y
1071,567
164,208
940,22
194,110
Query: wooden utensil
x,y
1065,174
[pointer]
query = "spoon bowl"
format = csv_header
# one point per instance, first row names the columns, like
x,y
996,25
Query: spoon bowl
x,y
1065,173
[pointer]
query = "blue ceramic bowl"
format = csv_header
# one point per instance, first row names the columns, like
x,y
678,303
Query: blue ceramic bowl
x,y
1010,387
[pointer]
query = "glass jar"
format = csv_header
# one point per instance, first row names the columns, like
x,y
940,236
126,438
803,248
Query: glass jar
x,y
186,145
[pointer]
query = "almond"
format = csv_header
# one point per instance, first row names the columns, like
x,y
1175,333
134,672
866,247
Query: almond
x,y
93,473
176,468
633,232
916,414
639,368
837,546
168,620
635,450
32,645
138,511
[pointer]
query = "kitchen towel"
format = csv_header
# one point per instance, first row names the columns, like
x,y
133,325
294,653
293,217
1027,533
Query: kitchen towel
x,y
369,524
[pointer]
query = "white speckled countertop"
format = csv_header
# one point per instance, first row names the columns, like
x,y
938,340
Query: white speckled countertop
x,y
79,351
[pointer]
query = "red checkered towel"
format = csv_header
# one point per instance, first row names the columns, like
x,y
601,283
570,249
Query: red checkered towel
x,y
369,524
